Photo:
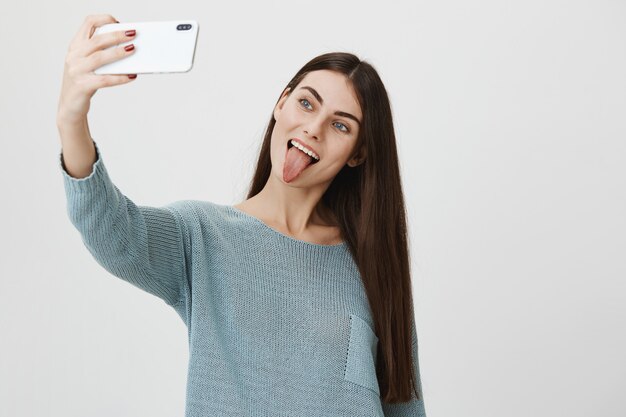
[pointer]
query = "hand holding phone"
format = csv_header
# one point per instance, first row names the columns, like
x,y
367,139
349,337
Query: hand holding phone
x,y
86,53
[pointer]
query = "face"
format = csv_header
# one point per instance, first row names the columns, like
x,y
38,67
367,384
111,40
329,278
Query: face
x,y
325,124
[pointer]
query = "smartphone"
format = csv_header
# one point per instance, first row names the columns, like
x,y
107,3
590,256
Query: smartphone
x,y
160,47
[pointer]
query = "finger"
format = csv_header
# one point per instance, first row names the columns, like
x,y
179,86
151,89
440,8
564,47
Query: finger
x,y
100,58
103,41
91,23
110,80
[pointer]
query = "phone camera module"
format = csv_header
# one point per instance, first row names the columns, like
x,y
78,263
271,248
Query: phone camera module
x,y
185,26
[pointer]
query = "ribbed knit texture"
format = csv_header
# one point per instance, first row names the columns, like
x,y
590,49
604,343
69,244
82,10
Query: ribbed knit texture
x,y
276,326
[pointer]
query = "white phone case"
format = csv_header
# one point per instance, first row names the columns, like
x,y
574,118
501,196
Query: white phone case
x,y
160,47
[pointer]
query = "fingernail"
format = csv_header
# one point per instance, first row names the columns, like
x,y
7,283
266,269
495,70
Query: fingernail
x,y
131,76
117,21
130,33
129,47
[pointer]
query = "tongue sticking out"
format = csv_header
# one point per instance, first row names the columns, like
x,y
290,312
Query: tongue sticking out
x,y
295,162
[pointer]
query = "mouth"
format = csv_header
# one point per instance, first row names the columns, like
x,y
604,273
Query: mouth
x,y
289,145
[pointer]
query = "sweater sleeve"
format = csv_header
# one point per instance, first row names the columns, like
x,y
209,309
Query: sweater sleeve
x,y
139,244
413,408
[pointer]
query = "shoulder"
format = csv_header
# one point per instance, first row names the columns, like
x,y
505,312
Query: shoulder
x,y
197,211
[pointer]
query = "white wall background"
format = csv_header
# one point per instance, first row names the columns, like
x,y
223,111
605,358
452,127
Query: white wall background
x,y
510,119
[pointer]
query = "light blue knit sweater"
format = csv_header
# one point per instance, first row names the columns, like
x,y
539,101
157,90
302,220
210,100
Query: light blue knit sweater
x,y
276,326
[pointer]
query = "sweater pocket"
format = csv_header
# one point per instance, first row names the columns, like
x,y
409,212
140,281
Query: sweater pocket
x,y
361,356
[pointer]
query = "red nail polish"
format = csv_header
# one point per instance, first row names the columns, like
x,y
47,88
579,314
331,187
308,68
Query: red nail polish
x,y
129,47
131,76
130,33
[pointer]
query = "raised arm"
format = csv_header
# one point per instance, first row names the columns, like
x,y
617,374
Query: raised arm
x,y
140,244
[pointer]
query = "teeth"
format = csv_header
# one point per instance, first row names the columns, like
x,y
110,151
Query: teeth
x,y
305,150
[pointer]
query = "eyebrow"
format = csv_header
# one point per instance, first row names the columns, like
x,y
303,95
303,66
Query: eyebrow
x,y
321,100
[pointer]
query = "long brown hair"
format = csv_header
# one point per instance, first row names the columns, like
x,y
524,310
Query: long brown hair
x,y
368,203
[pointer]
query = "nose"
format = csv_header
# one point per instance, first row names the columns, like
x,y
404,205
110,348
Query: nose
x,y
312,136
314,128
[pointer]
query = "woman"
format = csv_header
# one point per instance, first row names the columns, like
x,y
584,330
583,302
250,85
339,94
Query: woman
x,y
298,299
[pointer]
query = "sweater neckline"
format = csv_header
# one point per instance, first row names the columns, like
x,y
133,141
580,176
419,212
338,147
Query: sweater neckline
x,y
262,223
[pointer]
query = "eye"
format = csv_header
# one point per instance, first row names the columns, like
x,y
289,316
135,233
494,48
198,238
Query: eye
x,y
347,130
304,99
346,127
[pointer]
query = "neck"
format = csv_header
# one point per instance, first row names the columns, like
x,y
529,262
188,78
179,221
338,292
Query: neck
x,y
292,208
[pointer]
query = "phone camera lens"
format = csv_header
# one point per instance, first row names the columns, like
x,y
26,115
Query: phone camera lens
x,y
183,27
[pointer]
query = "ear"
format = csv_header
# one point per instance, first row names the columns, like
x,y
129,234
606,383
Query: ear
x,y
281,102
357,159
